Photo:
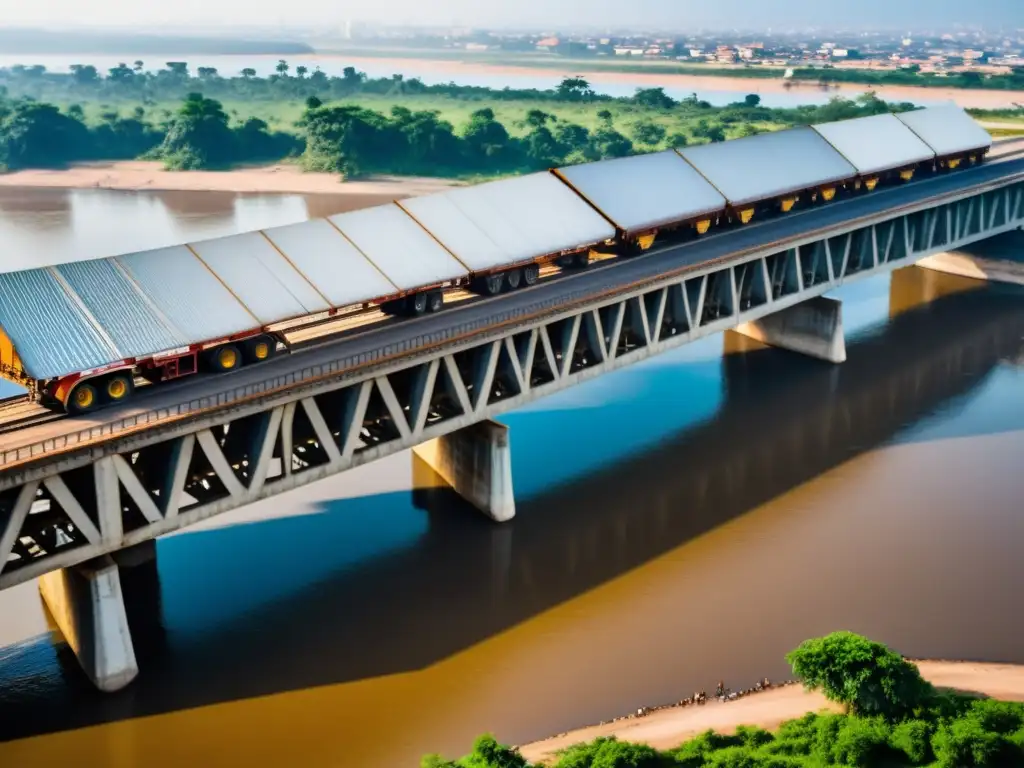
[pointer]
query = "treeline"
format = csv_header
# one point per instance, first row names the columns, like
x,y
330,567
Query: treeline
x,y
39,135
893,718
353,140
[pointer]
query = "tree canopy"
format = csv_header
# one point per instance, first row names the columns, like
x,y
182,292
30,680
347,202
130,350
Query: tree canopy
x,y
864,676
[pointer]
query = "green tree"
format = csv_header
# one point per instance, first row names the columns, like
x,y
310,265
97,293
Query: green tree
x,y
752,100
574,89
649,133
301,71
282,68
864,676
38,135
653,98
966,744
198,136
248,73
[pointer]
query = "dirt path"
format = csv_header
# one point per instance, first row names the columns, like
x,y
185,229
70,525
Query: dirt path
x,y
670,727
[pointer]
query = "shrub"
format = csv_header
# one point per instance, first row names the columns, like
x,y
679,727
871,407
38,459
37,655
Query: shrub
x,y
862,743
752,736
913,739
607,752
865,677
693,753
965,744
1002,717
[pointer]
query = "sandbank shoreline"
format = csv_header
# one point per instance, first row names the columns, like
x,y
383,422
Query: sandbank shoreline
x,y
670,726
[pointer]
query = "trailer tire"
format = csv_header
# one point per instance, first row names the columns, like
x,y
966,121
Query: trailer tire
x,y
222,359
259,349
531,274
435,301
118,388
581,260
489,285
514,279
416,305
82,399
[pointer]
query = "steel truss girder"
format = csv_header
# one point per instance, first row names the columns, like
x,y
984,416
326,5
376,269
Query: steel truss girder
x,y
142,486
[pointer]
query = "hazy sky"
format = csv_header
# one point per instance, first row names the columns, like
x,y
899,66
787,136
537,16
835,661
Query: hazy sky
x,y
677,14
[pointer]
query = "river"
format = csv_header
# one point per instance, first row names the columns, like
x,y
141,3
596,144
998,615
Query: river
x,y
715,90
683,520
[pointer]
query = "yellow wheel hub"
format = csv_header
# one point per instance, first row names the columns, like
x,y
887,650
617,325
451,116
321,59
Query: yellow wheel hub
x,y
227,358
84,396
117,388
261,351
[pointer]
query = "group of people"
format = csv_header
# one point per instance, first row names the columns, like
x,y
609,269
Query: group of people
x,y
724,694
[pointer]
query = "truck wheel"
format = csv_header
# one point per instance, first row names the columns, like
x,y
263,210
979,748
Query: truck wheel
x,y
435,301
259,349
581,260
223,359
489,285
416,304
83,398
514,278
531,274
118,387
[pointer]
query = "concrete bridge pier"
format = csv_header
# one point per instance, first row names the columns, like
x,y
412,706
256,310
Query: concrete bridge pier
x,y
86,602
476,462
813,327
999,259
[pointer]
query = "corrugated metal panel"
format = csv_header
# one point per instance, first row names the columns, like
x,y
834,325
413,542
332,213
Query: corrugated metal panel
x,y
118,307
399,247
947,129
645,191
335,266
260,277
52,336
875,144
500,222
188,294
769,164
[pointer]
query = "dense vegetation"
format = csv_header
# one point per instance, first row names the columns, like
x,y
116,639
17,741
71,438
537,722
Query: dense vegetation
x,y
354,125
893,719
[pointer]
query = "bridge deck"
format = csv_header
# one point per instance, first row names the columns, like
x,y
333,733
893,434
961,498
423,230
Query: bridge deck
x,y
394,339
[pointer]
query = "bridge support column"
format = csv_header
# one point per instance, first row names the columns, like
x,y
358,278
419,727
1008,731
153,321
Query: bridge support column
x,y
87,605
813,327
476,462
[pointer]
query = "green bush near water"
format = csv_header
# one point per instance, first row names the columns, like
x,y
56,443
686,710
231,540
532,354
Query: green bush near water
x,y
893,719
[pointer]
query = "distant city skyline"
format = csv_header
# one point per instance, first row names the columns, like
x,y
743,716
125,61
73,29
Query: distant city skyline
x,y
675,15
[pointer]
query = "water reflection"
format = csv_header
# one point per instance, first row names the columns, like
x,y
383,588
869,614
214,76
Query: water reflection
x,y
52,226
375,587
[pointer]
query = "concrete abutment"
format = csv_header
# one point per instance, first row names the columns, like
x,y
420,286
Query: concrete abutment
x,y
87,604
476,462
813,327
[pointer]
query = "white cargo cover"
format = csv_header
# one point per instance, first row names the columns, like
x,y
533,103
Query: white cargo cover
x,y
399,247
135,326
947,129
261,278
876,144
187,293
51,334
769,165
330,262
645,191
509,220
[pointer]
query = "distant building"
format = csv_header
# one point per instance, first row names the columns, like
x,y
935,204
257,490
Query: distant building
x,y
547,42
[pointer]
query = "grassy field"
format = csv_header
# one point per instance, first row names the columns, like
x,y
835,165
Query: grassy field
x,y
282,115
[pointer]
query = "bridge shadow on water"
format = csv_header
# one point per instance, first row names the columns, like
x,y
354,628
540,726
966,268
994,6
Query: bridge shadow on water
x,y
408,586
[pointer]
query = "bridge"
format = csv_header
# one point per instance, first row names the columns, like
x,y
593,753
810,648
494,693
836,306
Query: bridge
x,y
76,490
496,577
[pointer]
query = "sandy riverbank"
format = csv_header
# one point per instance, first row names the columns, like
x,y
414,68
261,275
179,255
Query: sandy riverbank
x,y
668,728
136,175
980,99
